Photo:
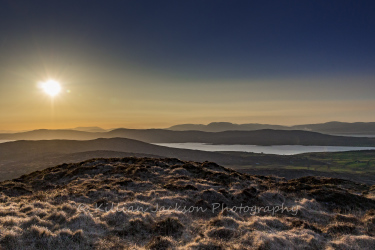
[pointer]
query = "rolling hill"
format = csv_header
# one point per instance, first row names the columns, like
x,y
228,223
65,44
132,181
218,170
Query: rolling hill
x,y
259,137
21,157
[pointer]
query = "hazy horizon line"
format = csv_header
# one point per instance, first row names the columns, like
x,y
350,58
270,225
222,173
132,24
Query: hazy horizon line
x,y
167,127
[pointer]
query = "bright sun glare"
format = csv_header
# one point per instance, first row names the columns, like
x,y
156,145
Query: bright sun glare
x,y
51,87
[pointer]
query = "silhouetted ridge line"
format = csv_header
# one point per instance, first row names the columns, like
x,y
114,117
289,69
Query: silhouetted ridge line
x,y
259,137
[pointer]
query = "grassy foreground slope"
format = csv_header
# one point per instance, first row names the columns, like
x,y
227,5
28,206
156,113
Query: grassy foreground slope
x,y
152,203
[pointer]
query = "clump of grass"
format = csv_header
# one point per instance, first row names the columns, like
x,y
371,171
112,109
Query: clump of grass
x,y
57,217
159,243
169,227
227,222
221,233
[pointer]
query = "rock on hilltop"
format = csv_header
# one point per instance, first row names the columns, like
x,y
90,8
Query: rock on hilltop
x,y
168,203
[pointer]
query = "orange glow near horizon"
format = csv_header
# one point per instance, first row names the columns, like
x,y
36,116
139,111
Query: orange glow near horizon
x,y
118,100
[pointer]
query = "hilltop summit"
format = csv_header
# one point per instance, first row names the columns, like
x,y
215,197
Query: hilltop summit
x,y
162,203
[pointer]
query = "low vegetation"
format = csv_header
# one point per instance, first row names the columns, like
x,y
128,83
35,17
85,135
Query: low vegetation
x,y
154,203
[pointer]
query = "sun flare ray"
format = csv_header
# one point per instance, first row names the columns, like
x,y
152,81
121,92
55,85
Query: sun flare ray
x,y
51,87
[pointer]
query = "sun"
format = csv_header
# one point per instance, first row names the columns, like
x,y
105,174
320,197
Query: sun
x,y
51,87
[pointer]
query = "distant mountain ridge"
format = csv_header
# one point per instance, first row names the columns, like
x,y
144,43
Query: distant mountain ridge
x,y
225,126
264,137
89,129
356,128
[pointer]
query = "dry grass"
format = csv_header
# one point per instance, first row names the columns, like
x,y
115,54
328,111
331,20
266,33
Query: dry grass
x,y
138,203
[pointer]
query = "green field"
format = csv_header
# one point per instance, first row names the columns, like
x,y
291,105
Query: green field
x,y
348,162
352,161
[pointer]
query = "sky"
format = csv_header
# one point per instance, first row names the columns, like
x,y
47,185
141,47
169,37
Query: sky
x,y
154,64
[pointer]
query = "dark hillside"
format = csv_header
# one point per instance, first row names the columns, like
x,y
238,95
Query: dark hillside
x,y
258,137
